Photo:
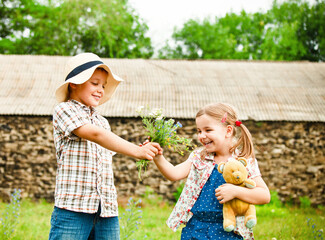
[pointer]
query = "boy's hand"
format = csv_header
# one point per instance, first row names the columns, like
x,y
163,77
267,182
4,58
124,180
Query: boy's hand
x,y
160,149
149,150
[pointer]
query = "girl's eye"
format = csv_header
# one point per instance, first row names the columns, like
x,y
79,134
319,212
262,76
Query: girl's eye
x,y
94,83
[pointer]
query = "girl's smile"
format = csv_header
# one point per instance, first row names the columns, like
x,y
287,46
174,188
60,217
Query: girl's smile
x,y
212,134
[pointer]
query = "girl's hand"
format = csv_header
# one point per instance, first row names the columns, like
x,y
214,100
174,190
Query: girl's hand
x,y
226,192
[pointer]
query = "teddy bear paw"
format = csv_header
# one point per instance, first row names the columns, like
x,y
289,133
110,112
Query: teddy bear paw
x,y
229,228
251,223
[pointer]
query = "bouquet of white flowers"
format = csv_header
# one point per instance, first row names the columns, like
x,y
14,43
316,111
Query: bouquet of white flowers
x,y
162,131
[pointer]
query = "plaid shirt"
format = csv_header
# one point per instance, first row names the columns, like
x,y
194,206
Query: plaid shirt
x,y
84,175
198,176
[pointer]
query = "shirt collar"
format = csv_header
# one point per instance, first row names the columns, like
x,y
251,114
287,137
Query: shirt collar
x,y
210,156
91,110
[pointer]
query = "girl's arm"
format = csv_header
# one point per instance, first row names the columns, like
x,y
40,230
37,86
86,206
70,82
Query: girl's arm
x,y
111,141
258,195
171,172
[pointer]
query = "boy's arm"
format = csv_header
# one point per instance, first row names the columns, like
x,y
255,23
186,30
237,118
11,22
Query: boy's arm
x,y
111,141
171,172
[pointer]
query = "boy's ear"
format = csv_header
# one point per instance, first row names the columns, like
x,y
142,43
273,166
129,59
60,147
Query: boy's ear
x,y
72,85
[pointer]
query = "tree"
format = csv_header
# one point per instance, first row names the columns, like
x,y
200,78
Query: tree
x,y
108,28
292,30
13,23
247,30
311,31
281,41
231,37
206,40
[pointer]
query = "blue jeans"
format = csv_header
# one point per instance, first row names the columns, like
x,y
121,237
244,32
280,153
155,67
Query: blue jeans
x,y
69,225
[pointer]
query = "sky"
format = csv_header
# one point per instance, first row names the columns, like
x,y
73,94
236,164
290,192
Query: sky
x,y
162,16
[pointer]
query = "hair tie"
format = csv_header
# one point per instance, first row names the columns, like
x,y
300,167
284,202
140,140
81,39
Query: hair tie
x,y
224,118
238,123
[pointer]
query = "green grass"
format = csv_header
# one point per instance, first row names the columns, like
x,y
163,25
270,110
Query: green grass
x,y
155,212
274,221
34,220
288,223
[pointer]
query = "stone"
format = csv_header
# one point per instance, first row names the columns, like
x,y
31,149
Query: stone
x,y
290,154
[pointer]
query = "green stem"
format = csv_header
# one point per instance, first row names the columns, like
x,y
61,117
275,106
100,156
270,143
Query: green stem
x,y
141,164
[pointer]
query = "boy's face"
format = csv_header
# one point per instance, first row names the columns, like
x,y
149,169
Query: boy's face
x,y
89,93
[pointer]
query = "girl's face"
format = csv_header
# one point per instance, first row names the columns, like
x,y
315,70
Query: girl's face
x,y
213,135
89,93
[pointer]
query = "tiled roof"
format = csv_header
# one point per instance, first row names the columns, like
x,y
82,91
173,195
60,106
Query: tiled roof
x,y
260,90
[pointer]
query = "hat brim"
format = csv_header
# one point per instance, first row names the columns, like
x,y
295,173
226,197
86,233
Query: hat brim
x,y
62,92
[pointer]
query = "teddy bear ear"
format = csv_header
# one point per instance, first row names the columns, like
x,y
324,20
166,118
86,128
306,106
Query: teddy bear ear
x,y
221,166
243,161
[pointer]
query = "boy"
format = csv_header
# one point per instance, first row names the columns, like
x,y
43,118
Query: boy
x,y
85,195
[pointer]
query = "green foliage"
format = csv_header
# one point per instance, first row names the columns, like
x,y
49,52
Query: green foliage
x,y
290,30
275,200
286,223
130,219
179,190
259,124
279,223
273,209
161,131
281,41
305,202
312,31
33,221
206,41
107,28
317,233
9,218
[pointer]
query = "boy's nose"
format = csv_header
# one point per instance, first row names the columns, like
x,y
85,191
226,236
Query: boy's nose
x,y
100,89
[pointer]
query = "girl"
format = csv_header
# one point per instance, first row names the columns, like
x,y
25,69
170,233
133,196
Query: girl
x,y
200,204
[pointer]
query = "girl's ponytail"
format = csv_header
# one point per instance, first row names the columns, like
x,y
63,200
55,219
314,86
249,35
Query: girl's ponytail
x,y
244,143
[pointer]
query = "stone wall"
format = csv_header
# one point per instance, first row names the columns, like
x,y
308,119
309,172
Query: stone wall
x,y
290,155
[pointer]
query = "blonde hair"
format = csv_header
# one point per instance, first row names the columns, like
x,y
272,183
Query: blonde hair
x,y
226,115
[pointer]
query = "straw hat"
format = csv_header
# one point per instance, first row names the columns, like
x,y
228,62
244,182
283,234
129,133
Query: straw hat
x,y
79,69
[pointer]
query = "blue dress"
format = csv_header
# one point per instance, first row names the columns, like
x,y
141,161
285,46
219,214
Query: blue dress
x,y
207,220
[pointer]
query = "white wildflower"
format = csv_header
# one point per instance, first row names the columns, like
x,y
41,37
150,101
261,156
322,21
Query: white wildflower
x,y
160,117
156,112
140,109
171,121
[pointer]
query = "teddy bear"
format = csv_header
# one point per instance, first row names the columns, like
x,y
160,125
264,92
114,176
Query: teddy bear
x,y
235,172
